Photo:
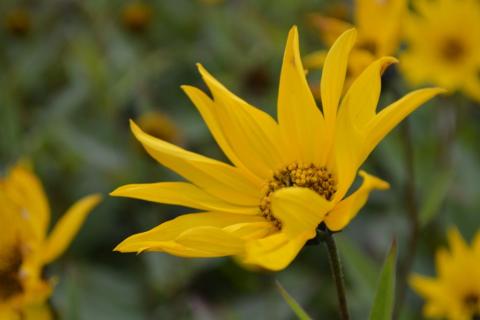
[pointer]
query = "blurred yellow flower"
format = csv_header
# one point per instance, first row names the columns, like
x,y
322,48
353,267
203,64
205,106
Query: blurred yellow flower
x,y
287,176
18,21
378,23
455,292
25,246
443,38
160,126
136,16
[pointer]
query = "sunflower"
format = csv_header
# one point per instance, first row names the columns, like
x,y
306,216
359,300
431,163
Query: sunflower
x,y
287,177
445,33
455,292
378,24
25,247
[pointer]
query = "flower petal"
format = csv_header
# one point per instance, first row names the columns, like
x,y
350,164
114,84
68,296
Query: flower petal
x,y
333,76
389,117
362,97
348,208
300,210
300,119
67,227
206,108
251,134
457,244
183,194
330,28
215,177
315,59
358,108
211,234
26,190
274,252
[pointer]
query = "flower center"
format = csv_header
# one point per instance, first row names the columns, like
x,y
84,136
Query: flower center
x,y
301,175
368,45
452,50
472,302
9,274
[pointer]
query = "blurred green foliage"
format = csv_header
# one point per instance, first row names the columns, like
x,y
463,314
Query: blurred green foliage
x,y
74,72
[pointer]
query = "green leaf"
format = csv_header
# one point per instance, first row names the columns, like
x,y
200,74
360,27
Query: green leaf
x,y
296,308
361,269
434,199
384,297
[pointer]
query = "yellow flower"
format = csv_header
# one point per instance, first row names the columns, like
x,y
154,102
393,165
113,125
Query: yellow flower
x,y
287,177
25,246
378,23
443,45
160,126
455,292
136,16
18,21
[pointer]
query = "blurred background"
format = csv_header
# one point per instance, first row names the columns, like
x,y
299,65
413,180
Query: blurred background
x,y
72,74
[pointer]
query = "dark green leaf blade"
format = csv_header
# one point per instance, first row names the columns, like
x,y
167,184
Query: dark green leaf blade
x,y
296,308
384,297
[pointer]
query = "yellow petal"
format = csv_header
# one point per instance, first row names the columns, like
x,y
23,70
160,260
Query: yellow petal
x,y
314,60
437,303
37,312
251,133
348,208
358,108
300,210
300,119
333,76
274,252
26,190
183,194
330,28
361,99
389,117
206,108
67,227
457,244
210,234
380,22
215,177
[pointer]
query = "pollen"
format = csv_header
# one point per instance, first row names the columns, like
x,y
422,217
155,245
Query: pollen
x,y
296,174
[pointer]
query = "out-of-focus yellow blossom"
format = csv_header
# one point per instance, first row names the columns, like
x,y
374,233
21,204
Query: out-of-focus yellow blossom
x,y
25,245
160,126
288,176
18,21
443,38
378,23
455,293
137,15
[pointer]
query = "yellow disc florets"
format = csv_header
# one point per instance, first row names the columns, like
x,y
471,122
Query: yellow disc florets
x,y
297,175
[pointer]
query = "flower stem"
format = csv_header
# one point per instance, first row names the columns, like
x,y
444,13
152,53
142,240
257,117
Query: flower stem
x,y
337,273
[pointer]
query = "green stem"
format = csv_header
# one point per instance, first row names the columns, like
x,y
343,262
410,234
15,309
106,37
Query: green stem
x,y
337,273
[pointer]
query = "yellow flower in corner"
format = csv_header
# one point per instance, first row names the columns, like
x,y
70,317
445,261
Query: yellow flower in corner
x,y
378,23
25,246
455,293
287,177
445,34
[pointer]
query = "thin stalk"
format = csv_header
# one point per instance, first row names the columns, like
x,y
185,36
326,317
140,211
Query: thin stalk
x,y
413,218
337,273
